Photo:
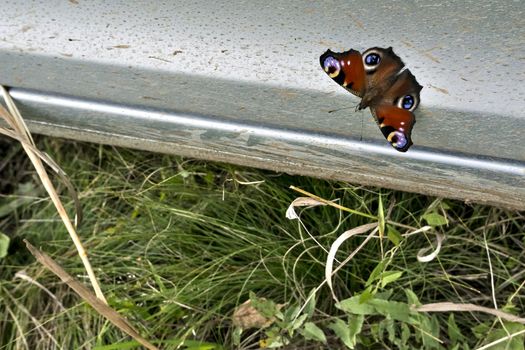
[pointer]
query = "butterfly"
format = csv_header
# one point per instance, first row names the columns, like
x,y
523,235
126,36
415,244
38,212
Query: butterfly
x,y
376,77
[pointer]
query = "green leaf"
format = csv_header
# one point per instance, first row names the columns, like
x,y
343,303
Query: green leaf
x,y
393,235
384,294
412,297
429,335
454,334
435,219
274,339
237,335
376,272
367,294
348,332
390,329
396,310
267,308
298,322
342,331
312,332
291,313
389,277
354,306
310,305
480,330
356,325
4,245
405,333
516,343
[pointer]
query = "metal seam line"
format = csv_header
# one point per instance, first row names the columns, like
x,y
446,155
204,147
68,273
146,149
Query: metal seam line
x,y
203,122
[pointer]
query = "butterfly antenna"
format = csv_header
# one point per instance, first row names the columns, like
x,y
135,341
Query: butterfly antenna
x,y
340,109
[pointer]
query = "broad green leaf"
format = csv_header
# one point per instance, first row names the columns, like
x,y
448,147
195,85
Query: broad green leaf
x,y
356,325
516,343
454,334
376,272
367,294
291,313
375,331
298,322
412,297
384,294
310,306
311,331
266,307
435,219
480,330
390,329
428,335
342,330
237,332
434,325
405,333
393,235
274,339
4,245
389,277
354,306
396,310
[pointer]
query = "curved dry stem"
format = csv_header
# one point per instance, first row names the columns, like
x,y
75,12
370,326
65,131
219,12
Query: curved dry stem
x,y
448,306
15,121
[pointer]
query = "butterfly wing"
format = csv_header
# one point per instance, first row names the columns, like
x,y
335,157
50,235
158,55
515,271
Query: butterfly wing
x,y
394,112
347,69
381,66
374,76
396,125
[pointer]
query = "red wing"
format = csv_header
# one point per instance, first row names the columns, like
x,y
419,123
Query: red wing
x,y
395,124
347,69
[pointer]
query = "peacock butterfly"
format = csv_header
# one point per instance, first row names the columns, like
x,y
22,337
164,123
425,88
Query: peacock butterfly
x,y
376,77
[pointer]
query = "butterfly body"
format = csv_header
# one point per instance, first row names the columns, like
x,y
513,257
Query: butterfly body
x,y
392,94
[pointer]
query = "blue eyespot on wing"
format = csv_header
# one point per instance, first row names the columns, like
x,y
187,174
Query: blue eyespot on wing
x,y
372,59
396,125
407,102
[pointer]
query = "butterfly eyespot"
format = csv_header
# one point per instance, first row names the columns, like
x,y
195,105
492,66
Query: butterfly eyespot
x,y
397,139
408,102
371,61
331,66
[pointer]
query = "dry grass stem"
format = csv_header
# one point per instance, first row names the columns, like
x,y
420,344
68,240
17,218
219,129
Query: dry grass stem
x,y
15,121
114,317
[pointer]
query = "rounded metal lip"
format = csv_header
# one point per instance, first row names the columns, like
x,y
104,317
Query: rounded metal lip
x,y
111,110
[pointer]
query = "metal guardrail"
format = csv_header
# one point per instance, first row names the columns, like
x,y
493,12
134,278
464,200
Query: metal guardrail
x,y
241,83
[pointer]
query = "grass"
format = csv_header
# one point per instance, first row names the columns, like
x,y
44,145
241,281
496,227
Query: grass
x,y
178,244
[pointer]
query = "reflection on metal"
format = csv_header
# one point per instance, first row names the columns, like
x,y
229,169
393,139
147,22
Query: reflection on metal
x,y
242,84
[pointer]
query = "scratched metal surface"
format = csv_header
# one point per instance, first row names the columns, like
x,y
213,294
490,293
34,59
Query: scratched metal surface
x,y
240,82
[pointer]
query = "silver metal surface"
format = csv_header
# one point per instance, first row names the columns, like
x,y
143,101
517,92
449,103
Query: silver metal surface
x,y
240,82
